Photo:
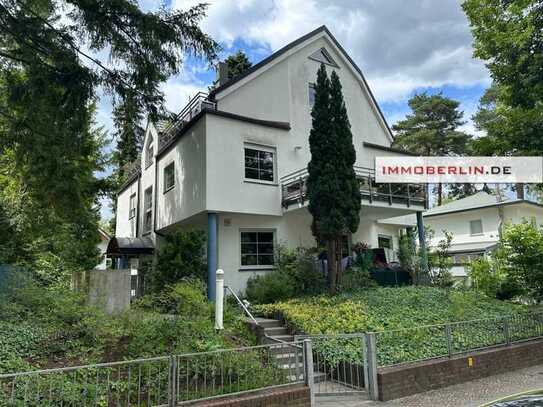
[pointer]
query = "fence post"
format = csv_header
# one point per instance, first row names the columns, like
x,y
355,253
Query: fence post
x,y
448,336
172,388
219,299
308,369
506,332
371,351
365,362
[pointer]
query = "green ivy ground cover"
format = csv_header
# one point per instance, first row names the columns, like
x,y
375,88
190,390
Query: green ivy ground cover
x,y
391,309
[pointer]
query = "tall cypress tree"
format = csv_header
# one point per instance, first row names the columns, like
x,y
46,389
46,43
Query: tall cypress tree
x,y
332,187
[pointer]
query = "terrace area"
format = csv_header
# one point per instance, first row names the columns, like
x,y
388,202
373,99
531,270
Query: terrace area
x,y
294,190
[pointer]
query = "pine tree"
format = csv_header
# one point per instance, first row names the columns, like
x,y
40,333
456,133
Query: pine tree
x,y
432,129
237,64
333,190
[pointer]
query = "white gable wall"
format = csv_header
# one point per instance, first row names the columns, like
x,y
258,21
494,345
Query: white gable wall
x,y
281,93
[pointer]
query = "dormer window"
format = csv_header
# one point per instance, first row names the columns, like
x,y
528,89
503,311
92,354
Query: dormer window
x,y
149,152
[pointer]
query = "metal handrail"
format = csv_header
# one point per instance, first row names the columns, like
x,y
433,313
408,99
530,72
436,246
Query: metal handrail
x,y
241,304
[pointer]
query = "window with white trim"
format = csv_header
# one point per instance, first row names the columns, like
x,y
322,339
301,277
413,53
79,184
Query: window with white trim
x,y
476,227
148,210
257,248
259,163
169,177
311,92
132,206
149,152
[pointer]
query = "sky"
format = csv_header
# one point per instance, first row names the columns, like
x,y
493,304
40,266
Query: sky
x,y
402,47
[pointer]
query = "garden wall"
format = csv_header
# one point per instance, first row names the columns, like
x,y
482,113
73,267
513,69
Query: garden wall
x,y
400,381
289,396
109,289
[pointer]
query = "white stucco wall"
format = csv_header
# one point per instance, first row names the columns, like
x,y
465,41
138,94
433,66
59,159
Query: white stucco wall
x,y
188,196
267,95
458,224
124,226
520,212
226,187
102,247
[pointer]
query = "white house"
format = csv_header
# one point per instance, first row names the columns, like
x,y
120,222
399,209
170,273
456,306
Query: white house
x,y
474,222
102,247
234,164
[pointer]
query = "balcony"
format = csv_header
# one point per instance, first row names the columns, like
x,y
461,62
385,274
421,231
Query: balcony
x,y
195,105
294,190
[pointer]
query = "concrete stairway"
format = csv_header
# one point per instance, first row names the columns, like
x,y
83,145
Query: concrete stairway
x,y
289,357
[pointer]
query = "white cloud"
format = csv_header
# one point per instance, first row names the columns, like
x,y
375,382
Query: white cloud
x,y
399,45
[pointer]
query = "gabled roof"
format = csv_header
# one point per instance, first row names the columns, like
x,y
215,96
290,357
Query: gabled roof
x,y
286,48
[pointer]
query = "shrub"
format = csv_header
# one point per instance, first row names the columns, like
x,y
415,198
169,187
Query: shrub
x,y
299,264
440,263
180,256
270,287
358,276
186,299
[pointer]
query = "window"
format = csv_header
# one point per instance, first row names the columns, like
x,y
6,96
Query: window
x,y
148,210
132,210
169,177
259,164
149,152
257,248
476,227
384,242
311,94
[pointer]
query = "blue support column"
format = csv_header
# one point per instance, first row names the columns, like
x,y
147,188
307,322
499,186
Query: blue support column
x,y
211,254
422,246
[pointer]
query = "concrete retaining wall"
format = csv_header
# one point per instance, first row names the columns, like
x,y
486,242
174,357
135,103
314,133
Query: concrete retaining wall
x,y
109,290
405,380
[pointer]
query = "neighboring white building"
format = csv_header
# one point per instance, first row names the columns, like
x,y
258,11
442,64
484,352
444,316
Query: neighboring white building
x,y
474,222
102,246
234,164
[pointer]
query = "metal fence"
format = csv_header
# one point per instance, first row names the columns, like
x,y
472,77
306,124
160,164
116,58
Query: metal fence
x,y
339,362
162,381
445,340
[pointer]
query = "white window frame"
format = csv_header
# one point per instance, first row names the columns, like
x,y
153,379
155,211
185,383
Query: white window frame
x,y
471,222
148,210
132,206
265,148
172,186
149,152
310,86
257,266
389,237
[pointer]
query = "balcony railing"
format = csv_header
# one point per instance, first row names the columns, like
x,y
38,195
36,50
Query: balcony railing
x,y
294,189
195,105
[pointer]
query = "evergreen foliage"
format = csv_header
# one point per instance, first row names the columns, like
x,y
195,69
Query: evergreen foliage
x,y
332,187
432,129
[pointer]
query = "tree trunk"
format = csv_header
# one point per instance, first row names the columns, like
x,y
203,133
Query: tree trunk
x,y
339,257
332,265
519,187
439,194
